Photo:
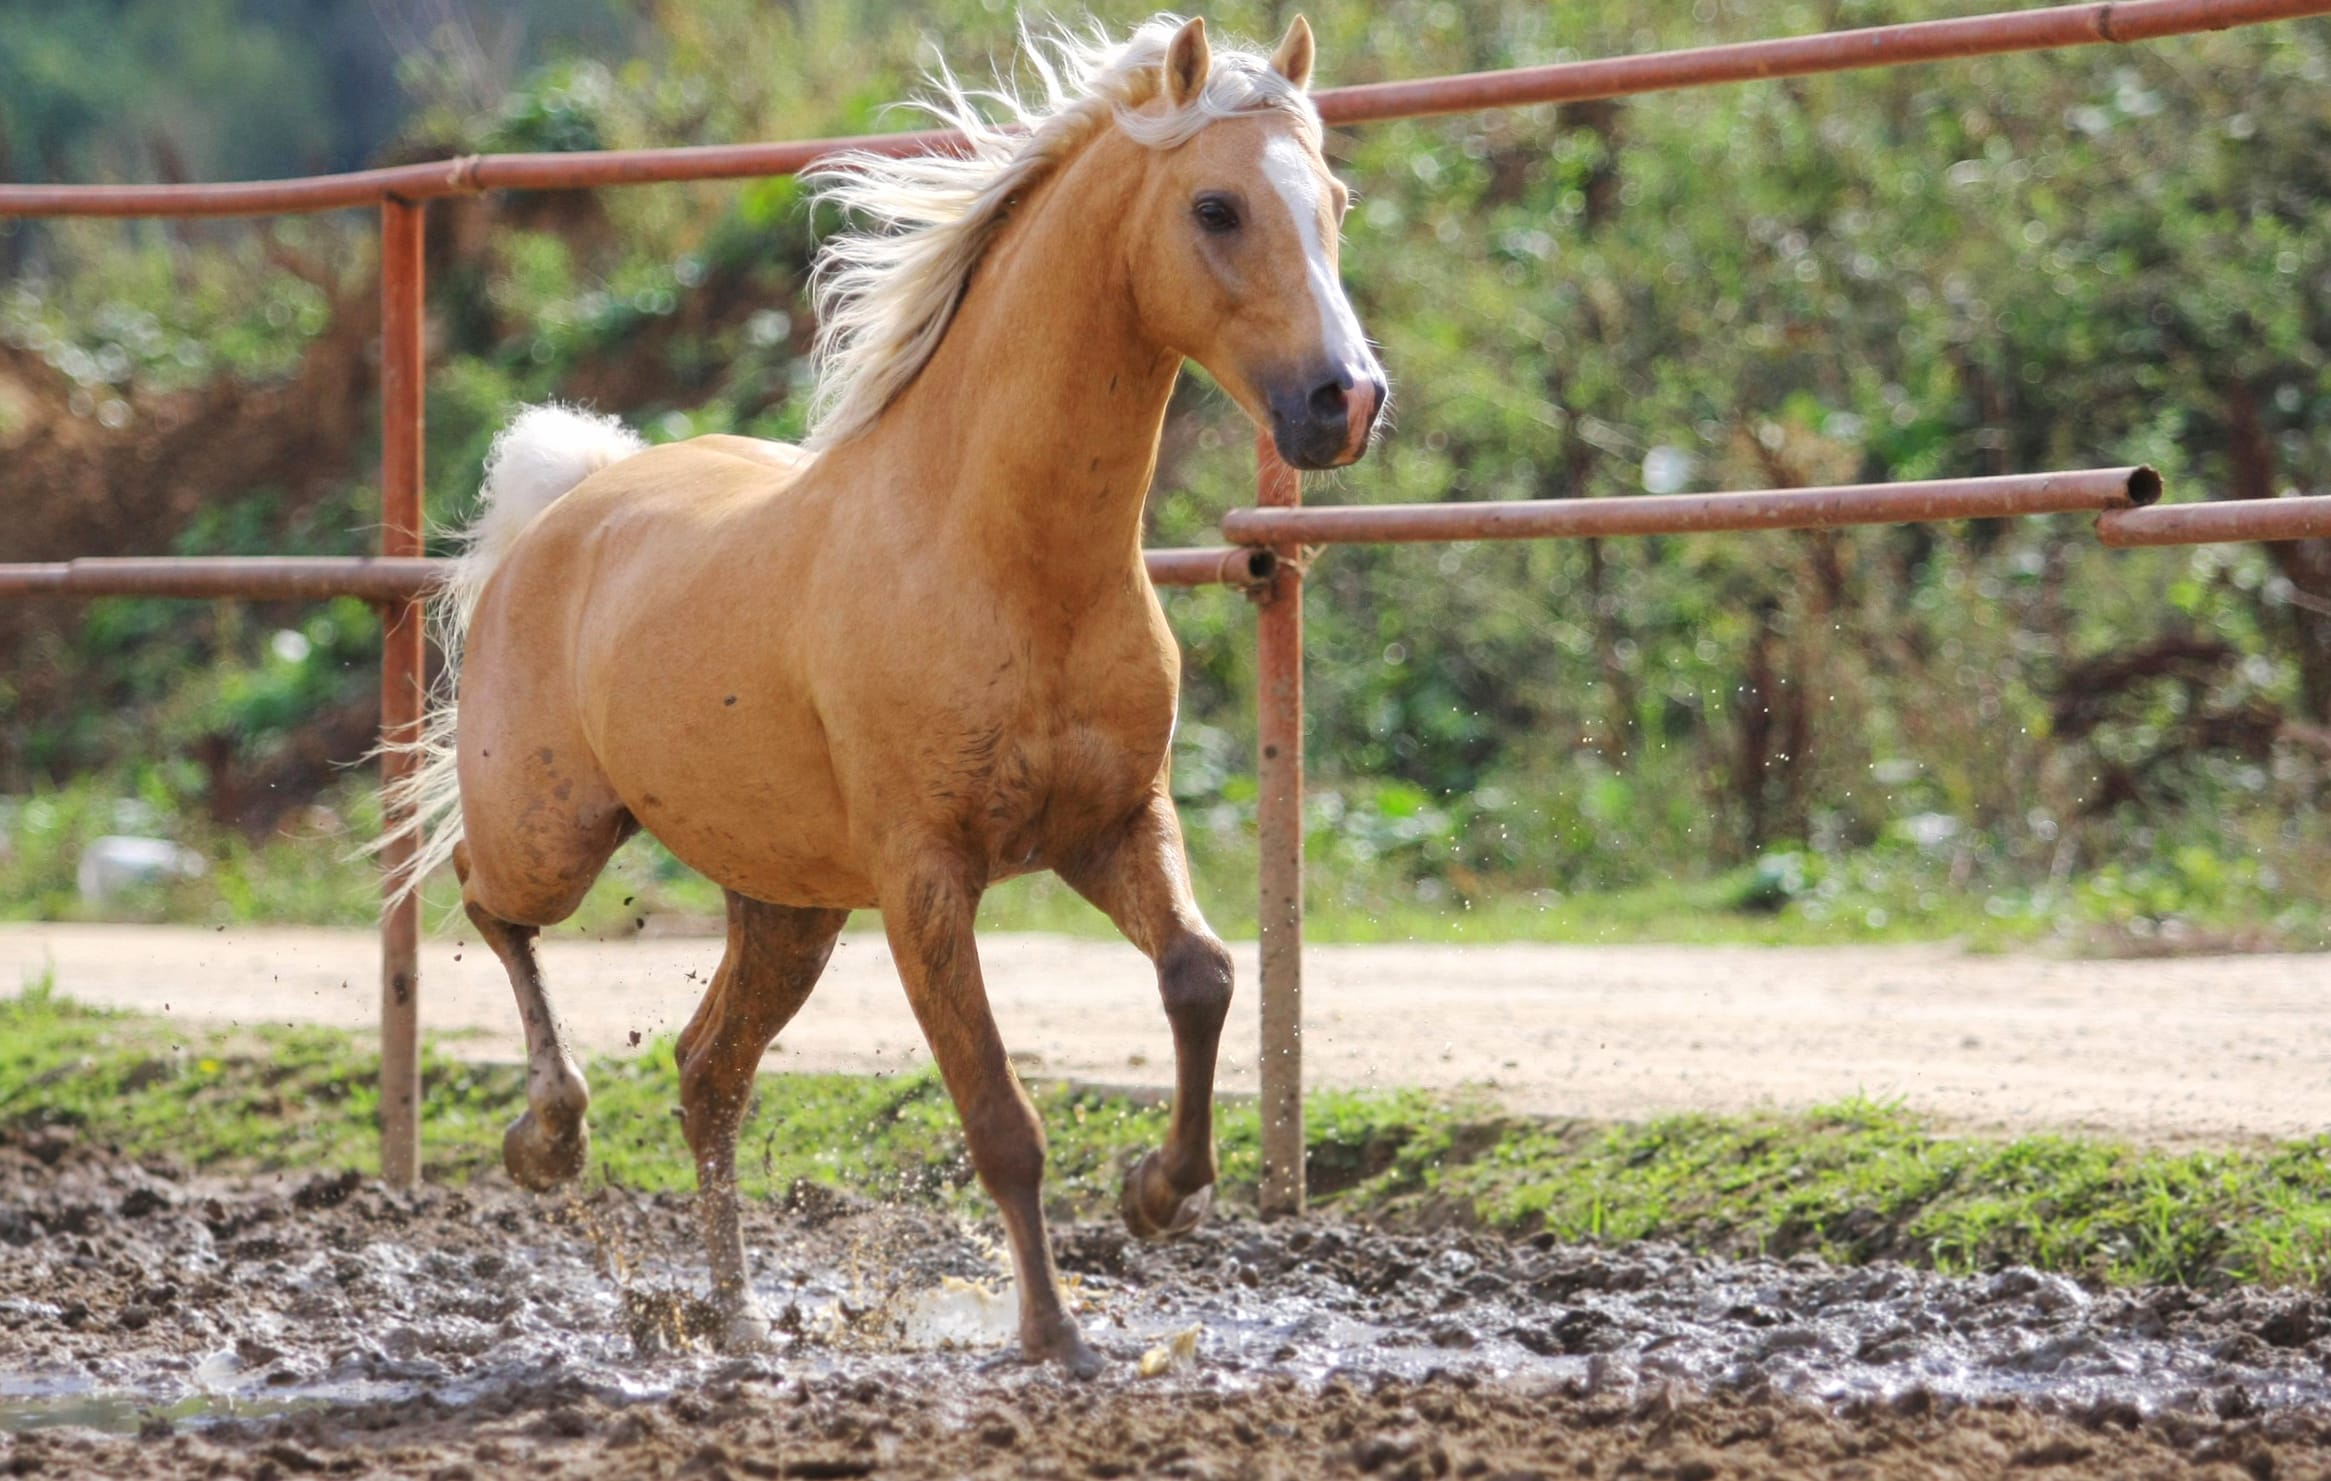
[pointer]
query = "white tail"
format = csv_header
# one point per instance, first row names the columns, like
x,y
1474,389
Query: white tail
x,y
533,463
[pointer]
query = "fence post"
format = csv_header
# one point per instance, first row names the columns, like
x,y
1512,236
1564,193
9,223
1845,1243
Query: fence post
x,y
403,681
1279,839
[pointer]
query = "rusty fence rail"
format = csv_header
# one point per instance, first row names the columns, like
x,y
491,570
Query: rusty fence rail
x,y
1264,556
2089,490
226,577
2305,518
2042,29
410,578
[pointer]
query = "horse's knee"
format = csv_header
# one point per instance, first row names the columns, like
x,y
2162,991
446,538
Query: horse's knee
x,y
694,1059
706,1074
1195,976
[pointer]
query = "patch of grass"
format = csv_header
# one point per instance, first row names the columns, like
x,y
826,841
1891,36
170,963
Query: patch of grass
x,y
270,1098
1862,1181
1851,1182
311,872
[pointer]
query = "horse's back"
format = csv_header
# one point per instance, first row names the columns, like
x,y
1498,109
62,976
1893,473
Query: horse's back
x,y
786,457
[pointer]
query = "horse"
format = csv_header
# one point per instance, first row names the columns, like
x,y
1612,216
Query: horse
x,y
917,653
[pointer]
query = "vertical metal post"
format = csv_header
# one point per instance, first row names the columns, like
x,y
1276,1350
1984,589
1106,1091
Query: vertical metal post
x,y
1279,830
403,681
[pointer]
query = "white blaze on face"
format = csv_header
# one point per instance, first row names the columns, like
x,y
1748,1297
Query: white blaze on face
x,y
1289,168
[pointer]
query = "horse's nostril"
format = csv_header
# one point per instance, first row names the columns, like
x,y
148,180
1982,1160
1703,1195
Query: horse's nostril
x,y
1327,403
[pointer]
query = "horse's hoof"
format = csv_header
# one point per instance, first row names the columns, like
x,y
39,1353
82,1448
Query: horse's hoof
x,y
1066,1347
540,1160
1149,1207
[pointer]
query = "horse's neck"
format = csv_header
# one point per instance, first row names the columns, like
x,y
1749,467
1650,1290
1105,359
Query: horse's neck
x,y
1037,420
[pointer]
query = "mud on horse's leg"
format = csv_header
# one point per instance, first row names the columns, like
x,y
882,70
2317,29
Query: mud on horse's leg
x,y
774,956
1140,877
927,909
549,1142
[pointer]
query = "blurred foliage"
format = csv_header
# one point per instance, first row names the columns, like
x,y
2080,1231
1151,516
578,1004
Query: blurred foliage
x,y
229,89
2089,257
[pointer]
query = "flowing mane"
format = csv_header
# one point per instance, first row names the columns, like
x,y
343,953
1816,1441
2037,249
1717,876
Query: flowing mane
x,y
885,295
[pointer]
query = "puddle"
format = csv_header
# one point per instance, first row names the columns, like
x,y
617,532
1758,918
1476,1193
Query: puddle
x,y
133,1303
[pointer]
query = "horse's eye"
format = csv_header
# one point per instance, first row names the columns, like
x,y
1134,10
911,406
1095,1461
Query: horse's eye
x,y
1215,214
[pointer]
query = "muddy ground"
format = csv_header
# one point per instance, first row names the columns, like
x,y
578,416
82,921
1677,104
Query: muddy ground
x,y
156,1324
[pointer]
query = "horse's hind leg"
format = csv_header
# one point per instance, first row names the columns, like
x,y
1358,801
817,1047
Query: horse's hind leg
x,y
549,1142
1140,877
774,956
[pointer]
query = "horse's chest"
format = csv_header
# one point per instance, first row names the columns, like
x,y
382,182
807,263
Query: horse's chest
x,y
1049,778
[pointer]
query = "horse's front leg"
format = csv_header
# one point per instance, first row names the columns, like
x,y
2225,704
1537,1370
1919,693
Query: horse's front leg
x,y
774,956
927,909
1140,876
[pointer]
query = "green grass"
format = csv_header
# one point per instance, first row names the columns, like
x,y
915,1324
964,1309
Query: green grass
x,y
1851,1182
2187,896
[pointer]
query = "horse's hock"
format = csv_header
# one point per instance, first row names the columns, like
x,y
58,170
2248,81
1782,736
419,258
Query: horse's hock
x,y
1269,544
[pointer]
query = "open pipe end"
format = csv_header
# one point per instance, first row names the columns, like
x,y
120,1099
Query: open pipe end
x,y
1262,563
2144,487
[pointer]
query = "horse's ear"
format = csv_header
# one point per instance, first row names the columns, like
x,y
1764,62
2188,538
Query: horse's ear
x,y
1187,61
1293,58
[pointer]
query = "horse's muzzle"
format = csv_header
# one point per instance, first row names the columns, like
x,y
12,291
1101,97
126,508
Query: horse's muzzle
x,y
1324,420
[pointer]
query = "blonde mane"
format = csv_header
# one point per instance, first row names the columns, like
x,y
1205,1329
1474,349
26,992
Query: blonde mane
x,y
885,295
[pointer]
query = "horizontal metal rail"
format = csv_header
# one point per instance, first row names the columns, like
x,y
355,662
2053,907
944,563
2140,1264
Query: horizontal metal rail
x,y
469,174
2085,491
1211,565
252,577
1800,56
399,579
1702,66
2307,518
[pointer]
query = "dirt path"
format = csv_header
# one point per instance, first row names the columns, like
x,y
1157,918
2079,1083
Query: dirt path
x,y
2190,1050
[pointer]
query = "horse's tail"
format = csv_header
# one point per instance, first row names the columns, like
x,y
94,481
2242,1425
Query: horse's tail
x,y
545,452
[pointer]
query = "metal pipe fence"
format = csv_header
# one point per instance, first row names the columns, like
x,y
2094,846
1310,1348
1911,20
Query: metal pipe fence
x,y
1267,551
2304,518
277,578
2087,491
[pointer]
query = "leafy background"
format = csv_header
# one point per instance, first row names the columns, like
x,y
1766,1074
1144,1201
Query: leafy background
x,y
1992,730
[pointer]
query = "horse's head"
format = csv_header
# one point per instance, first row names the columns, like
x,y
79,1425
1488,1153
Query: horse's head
x,y
1234,247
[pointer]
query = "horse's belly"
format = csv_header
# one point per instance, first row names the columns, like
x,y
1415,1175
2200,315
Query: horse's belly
x,y
762,859
738,786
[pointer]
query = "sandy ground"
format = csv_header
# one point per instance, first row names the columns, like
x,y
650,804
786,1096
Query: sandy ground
x,y
2203,1049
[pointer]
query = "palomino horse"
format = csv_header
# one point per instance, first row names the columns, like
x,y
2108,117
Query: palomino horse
x,y
919,654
